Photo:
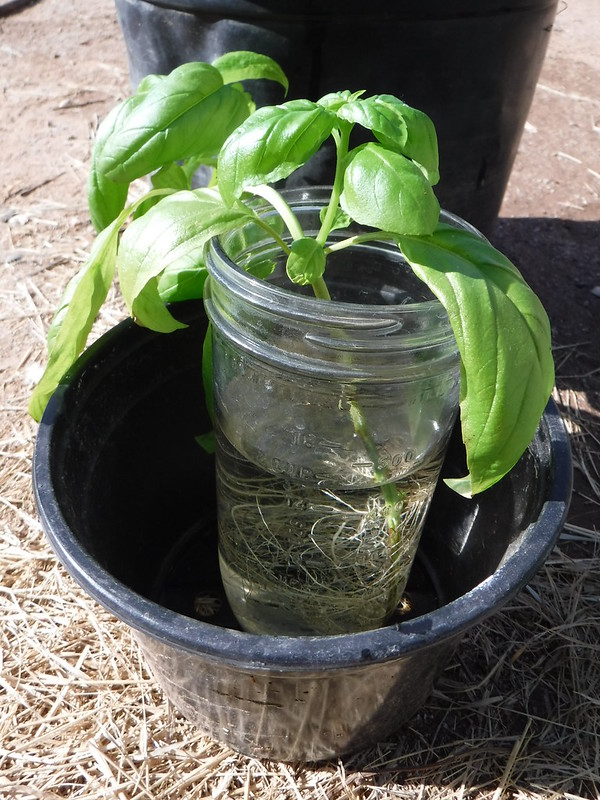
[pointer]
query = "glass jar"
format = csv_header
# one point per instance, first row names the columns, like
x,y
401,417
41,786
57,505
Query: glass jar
x,y
332,420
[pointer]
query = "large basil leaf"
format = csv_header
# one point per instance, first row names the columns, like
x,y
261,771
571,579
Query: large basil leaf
x,y
503,335
106,199
385,190
168,242
384,119
171,176
271,144
79,306
399,127
421,144
188,113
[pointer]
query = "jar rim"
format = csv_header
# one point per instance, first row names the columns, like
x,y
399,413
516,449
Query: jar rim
x,y
260,292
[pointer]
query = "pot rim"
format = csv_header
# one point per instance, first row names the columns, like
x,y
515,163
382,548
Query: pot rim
x,y
254,652
254,9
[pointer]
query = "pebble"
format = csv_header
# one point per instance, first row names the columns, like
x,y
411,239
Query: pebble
x,y
7,213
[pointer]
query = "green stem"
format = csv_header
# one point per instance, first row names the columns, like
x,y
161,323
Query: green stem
x,y
359,238
273,197
341,143
266,227
320,289
394,499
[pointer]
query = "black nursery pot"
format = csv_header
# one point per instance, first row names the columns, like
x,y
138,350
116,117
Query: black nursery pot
x,y
126,497
472,65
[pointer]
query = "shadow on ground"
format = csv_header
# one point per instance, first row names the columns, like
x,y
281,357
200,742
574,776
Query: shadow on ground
x,y
560,259
515,692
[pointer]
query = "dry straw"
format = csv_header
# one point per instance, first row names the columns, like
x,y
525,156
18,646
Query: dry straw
x,y
516,714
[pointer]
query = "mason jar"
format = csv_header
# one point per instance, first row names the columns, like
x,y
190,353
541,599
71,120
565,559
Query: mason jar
x,y
332,418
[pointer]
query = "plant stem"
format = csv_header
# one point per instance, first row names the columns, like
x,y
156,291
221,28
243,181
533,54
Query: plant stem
x,y
268,229
394,499
320,289
359,238
273,197
341,144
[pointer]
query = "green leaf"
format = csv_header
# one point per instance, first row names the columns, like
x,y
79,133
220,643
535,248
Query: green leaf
x,y
149,310
335,100
170,240
178,283
306,261
147,82
271,144
188,114
380,114
241,65
385,190
207,373
399,127
422,144
79,306
106,199
261,269
340,221
207,442
171,176
503,335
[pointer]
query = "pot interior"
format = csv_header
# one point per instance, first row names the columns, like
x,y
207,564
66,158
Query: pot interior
x,y
123,487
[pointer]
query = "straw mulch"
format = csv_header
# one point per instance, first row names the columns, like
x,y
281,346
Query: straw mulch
x,y
516,714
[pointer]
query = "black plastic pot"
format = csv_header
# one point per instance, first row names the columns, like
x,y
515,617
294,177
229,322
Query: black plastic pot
x,y
126,498
472,65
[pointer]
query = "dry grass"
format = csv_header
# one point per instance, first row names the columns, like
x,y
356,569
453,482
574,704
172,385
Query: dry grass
x,y
516,713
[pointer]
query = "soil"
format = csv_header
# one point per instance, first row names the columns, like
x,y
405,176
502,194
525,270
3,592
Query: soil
x,y
63,66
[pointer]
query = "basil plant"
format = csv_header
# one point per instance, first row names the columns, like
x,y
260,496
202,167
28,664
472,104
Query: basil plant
x,y
200,114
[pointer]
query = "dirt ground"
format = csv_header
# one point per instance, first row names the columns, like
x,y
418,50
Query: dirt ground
x,y
63,66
